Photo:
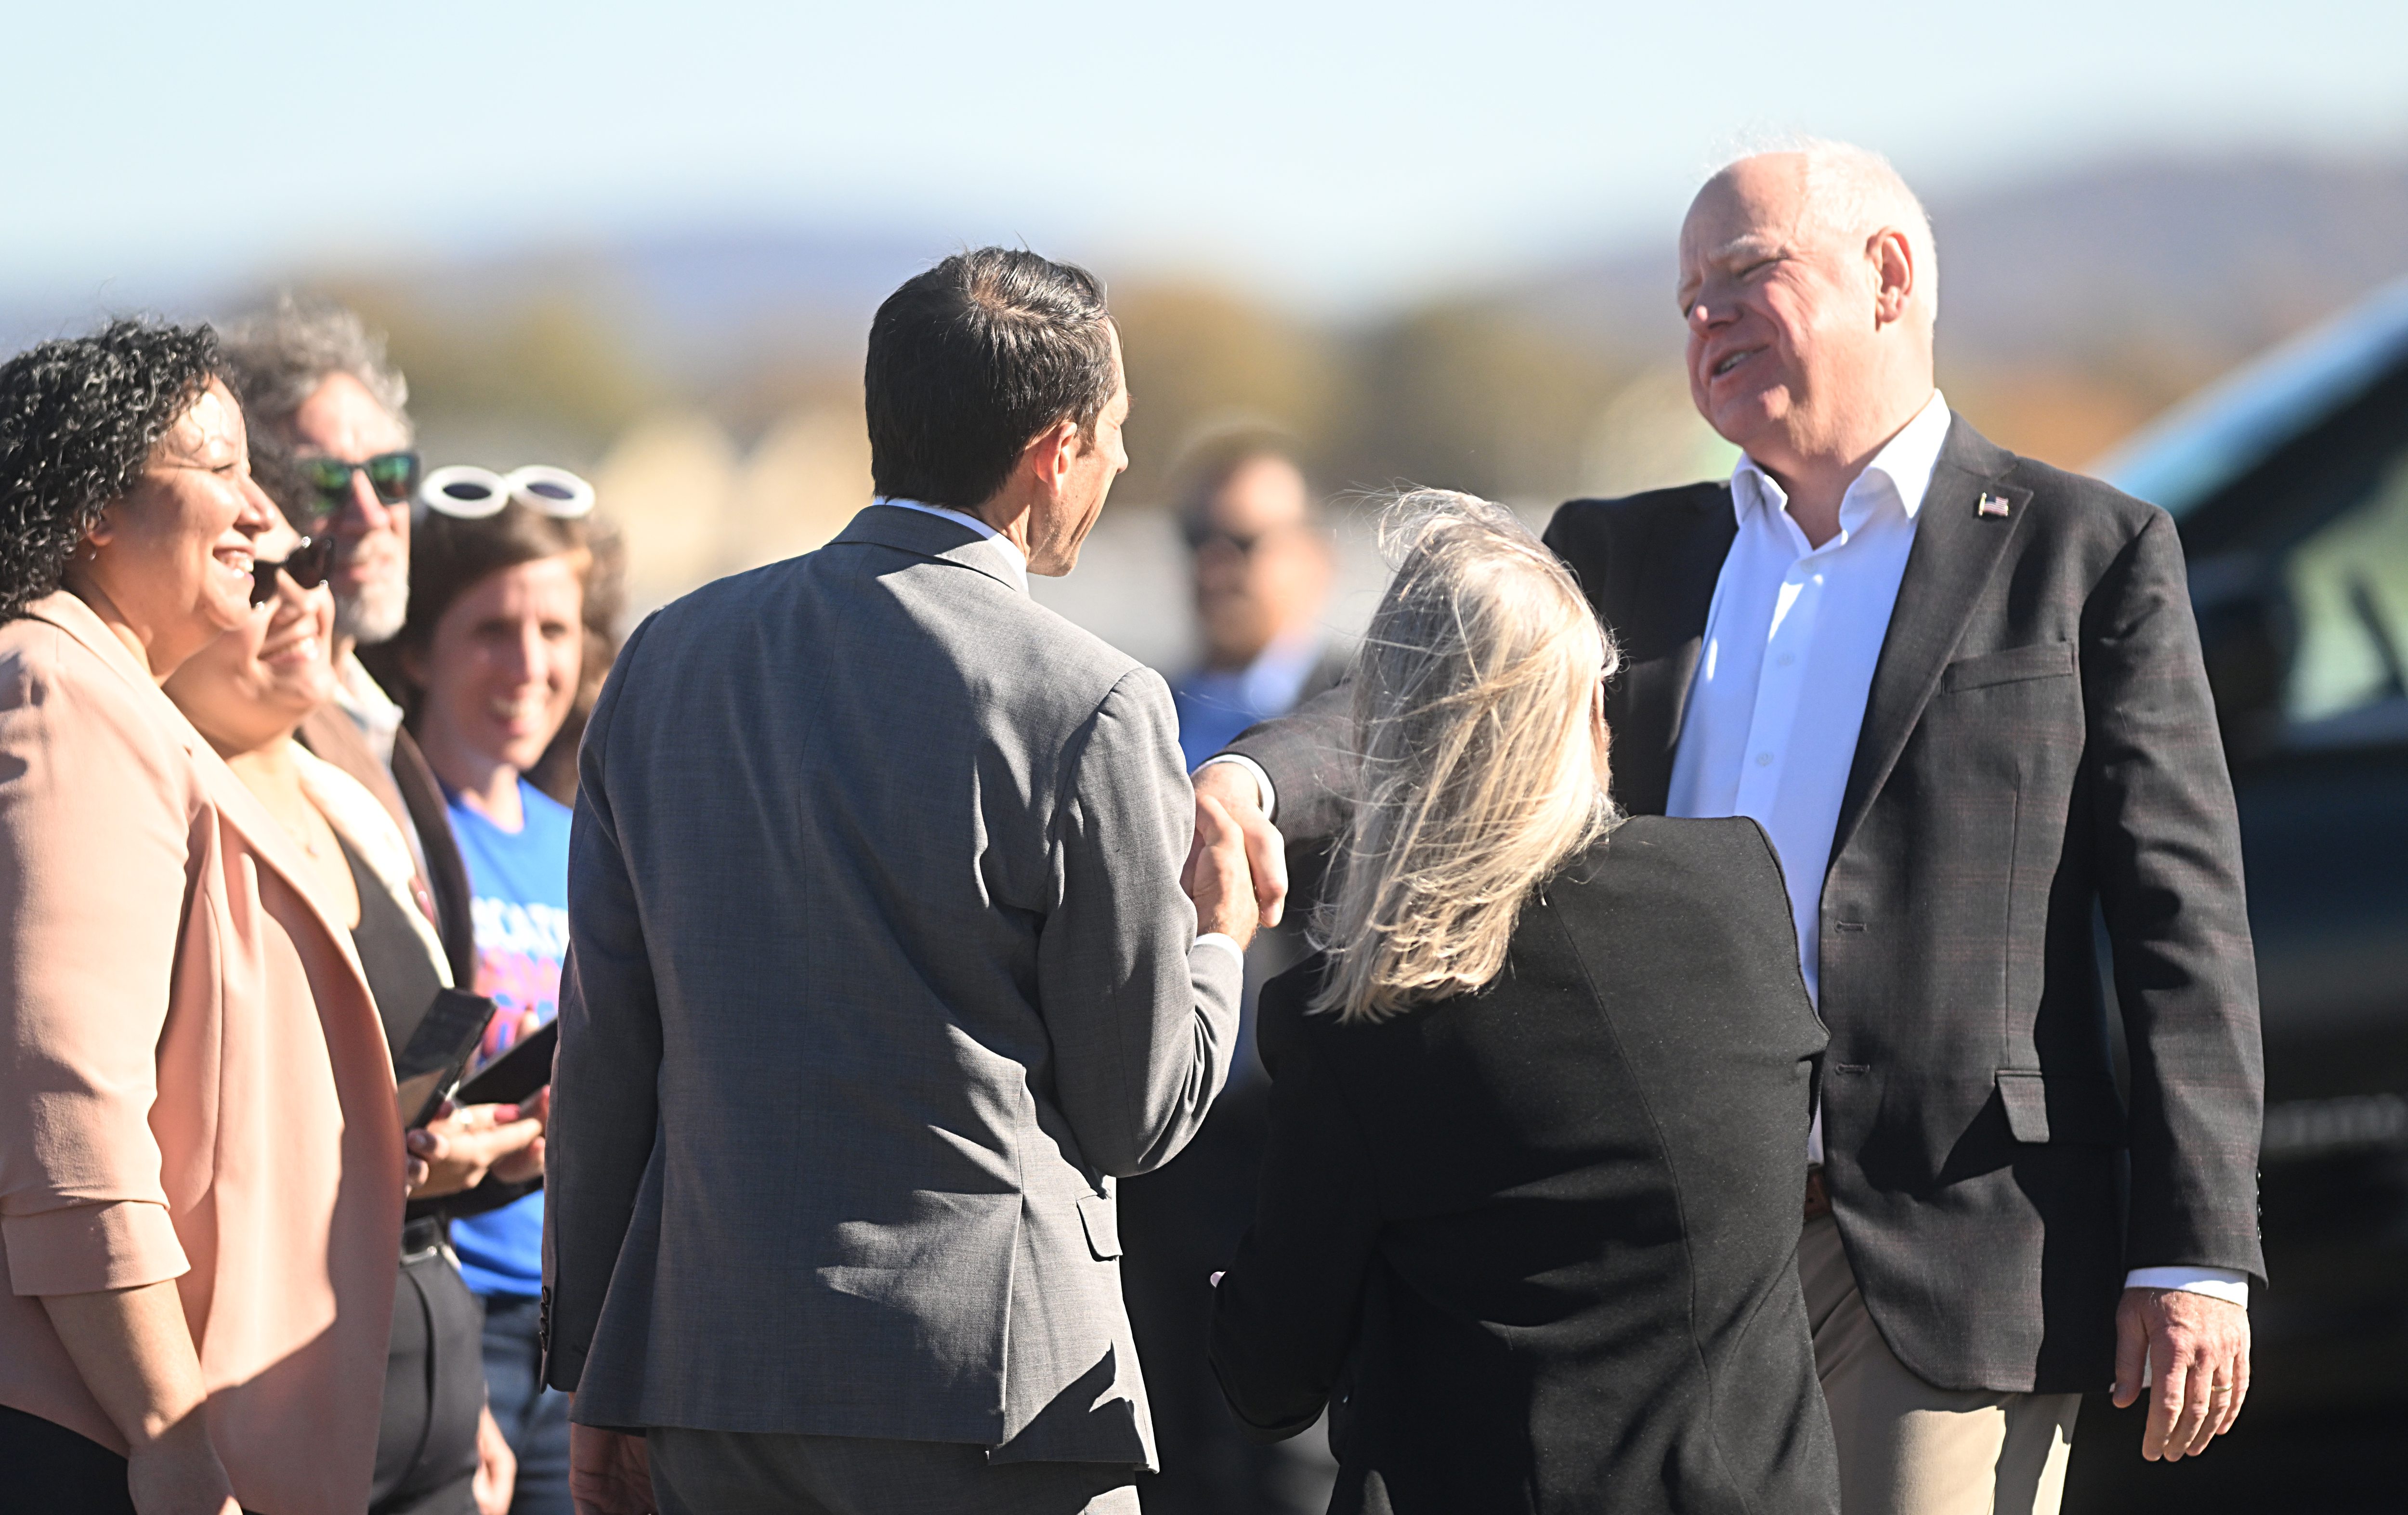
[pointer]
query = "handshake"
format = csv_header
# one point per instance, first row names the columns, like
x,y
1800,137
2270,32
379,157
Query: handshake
x,y
1237,866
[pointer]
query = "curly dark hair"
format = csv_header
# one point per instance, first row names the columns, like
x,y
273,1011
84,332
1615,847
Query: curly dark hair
x,y
78,419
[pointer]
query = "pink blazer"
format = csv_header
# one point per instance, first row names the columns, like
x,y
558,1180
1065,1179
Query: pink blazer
x,y
193,1083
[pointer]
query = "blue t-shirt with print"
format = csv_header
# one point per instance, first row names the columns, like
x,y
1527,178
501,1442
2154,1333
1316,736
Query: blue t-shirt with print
x,y
518,882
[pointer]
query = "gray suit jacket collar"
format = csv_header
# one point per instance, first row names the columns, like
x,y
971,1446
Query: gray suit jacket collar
x,y
929,537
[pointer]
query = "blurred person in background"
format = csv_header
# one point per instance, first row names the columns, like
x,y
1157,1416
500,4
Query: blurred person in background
x,y
201,1167
1264,564
510,627
315,382
1516,1227
246,693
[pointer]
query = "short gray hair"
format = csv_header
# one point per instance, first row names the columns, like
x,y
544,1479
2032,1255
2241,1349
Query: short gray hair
x,y
279,356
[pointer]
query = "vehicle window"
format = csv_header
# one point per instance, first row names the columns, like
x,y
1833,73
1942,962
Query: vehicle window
x,y
2348,587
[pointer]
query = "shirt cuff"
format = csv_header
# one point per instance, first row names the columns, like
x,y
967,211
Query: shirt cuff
x,y
83,1248
2215,1282
1262,779
1226,943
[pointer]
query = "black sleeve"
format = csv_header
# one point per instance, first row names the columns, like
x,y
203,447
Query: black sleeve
x,y
2169,861
1309,754
1284,1314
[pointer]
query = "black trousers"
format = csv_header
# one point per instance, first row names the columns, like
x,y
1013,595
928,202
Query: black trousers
x,y
434,1386
47,1469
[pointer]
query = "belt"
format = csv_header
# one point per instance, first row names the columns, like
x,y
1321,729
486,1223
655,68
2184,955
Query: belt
x,y
1818,1199
421,1238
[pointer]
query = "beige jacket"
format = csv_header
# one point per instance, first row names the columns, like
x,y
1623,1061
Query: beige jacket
x,y
193,1083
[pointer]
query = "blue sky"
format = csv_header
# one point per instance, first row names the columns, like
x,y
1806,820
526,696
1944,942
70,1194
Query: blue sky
x,y
1336,156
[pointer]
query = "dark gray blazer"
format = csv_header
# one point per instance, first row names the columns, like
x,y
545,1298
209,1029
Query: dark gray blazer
x,y
878,971
2039,739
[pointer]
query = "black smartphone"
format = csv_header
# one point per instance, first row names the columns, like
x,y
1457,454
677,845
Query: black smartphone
x,y
517,1074
429,1067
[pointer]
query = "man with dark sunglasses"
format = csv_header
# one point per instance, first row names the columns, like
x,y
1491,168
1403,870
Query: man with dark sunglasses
x,y
318,392
1263,568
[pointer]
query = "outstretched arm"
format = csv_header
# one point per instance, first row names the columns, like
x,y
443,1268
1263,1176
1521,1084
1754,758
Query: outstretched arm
x,y
1139,995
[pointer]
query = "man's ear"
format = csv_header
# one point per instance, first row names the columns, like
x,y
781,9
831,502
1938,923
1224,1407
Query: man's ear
x,y
1052,452
1893,262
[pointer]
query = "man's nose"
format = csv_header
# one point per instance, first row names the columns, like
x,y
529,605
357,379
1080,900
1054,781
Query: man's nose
x,y
363,512
1705,315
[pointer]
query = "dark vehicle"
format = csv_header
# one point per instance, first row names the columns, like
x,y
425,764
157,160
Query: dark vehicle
x,y
2290,484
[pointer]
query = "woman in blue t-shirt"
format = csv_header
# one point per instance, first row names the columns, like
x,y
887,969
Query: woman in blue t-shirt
x,y
506,641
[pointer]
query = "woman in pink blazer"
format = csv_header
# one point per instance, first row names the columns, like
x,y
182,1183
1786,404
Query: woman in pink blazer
x,y
201,1165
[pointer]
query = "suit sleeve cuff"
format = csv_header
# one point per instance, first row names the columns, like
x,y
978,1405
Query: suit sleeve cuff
x,y
1226,944
83,1248
1262,779
2215,1282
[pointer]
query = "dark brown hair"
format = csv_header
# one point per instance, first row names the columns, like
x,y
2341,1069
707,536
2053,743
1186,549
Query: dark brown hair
x,y
449,556
969,361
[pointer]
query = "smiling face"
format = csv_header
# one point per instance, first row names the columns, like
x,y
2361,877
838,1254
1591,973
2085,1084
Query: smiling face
x,y
1803,333
500,670
174,556
251,686
1057,527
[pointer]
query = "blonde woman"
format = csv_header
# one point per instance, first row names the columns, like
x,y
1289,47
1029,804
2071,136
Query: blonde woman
x,y
1529,1219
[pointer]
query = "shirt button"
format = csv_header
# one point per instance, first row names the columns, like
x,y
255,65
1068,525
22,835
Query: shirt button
x,y
1763,759
1786,659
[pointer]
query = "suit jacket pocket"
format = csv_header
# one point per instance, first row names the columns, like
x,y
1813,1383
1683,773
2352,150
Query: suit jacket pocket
x,y
1102,1220
2015,664
2075,1109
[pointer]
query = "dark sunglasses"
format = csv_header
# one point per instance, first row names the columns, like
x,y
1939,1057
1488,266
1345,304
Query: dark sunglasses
x,y
305,565
394,476
1199,537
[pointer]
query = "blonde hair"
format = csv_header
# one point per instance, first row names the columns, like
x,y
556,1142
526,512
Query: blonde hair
x,y
1480,771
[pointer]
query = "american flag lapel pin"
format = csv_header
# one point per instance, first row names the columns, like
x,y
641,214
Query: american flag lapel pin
x,y
1991,505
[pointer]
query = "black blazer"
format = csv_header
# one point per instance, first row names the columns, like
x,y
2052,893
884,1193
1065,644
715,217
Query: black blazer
x,y
2039,741
1538,1244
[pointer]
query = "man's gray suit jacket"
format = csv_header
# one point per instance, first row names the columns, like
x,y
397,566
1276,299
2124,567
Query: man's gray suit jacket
x,y
879,972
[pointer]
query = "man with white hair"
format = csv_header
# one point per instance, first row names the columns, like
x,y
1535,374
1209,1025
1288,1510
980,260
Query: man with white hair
x,y
1962,692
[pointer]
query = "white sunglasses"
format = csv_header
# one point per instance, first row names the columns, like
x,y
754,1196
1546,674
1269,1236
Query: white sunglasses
x,y
467,493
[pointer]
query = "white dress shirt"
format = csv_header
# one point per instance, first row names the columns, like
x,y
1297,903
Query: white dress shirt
x,y
1013,558
1774,710
1017,562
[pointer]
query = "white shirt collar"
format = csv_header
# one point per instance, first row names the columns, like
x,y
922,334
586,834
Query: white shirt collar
x,y
1009,550
1904,465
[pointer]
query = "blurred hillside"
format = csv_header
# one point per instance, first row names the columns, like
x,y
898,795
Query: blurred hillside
x,y
710,383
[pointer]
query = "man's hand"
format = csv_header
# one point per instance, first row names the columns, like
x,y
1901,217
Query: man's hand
x,y
497,1467
2197,1350
610,1472
1216,878
1266,849
460,1146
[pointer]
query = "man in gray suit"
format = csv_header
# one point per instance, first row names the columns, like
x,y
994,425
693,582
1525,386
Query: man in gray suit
x,y
880,971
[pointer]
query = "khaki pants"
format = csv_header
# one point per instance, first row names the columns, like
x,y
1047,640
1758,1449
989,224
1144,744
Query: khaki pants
x,y
1905,1447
